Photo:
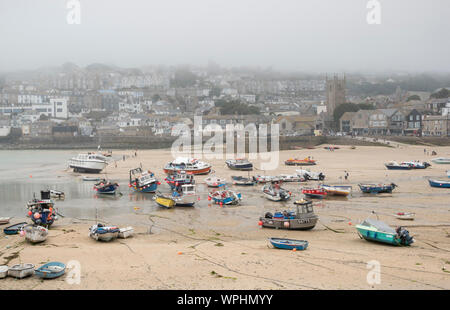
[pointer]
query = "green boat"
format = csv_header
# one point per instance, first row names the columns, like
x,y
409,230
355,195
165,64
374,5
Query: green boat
x,y
374,230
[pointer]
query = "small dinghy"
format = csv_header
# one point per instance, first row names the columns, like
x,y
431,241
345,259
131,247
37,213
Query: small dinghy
x,y
241,181
106,187
3,271
214,181
21,271
57,194
318,193
51,270
35,234
275,193
377,188
4,220
91,179
126,232
406,216
164,201
441,160
439,183
14,229
289,244
100,232
225,197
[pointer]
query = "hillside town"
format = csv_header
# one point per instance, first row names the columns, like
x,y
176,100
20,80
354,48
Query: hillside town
x,y
100,101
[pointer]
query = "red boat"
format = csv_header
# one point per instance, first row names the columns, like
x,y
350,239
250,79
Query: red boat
x,y
314,193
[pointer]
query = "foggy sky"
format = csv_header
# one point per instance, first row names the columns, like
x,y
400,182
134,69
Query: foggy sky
x,y
306,35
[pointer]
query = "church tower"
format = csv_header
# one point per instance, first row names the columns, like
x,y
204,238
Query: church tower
x,y
335,93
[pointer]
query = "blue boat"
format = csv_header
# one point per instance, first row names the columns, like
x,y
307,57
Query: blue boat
x,y
143,181
106,187
439,183
377,188
14,229
396,166
50,270
225,197
179,179
289,244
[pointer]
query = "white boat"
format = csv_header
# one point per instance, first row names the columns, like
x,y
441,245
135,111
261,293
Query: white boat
x,y
21,271
187,197
90,162
214,181
3,271
57,194
100,232
290,178
264,178
189,165
35,234
4,220
337,190
126,232
275,193
310,175
406,216
441,160
91,179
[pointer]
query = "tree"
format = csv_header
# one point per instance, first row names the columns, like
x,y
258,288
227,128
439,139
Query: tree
x,y
413,97
442,94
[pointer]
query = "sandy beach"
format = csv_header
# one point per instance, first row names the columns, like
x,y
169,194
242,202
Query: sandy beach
x,y
209,247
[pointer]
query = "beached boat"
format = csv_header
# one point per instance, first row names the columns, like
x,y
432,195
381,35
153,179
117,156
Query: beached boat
x,y
42,211
275,193
337,190
106,187
317,193
374,230
416,164
439,183
4,220
289,244
3,271
179,179
189,165
14,229
101,232
57,194
239,164
225,197
214,181
185,196
35,234
50,270
441,160
91,179
302,219
125,232
393,165
242,181
377,188
89,163
164,201
300,162
21,271
310,175
143,181
290,178
407,216
264,178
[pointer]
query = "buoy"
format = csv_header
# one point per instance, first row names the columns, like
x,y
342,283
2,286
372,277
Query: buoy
x,y
209,198
179,253
30,213
31,176
350,223
37,215
294,249
286,224
260,223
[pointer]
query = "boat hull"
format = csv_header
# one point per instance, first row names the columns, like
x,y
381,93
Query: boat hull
x,y
146,189
289,244
394,167
290,224
377,236
201,171
439,183
165,202
45,271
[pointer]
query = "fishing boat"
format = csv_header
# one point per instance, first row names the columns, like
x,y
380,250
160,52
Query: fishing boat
x,y
101,232
439,183
21,271
164,201
302,219
290,178
337,190
179,179
42,211
3,271
264,178
310,175
225,197
89,163
14,229
242,181
4,220
441,160
275,193
393,165
91,179
50,270
416,164
407,216
189,165
317,193
126,232
377,188
300,162
186,196
214,181
106,187
143,181
239,164
375,230
35,234
57,194
289,244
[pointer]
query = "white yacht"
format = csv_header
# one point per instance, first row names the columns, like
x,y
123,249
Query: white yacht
x,y
90,162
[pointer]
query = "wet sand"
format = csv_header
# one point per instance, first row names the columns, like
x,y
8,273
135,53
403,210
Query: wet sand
x,y
208,247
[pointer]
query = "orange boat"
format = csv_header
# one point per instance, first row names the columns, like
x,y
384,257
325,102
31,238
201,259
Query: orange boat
x,y
300,162
189,165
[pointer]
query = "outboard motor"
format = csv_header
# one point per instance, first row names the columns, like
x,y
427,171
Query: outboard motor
x,y
404,236
321,176
268,215
45,195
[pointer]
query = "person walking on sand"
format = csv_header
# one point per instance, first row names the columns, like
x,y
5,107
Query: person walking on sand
x,y
123,157
346,175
